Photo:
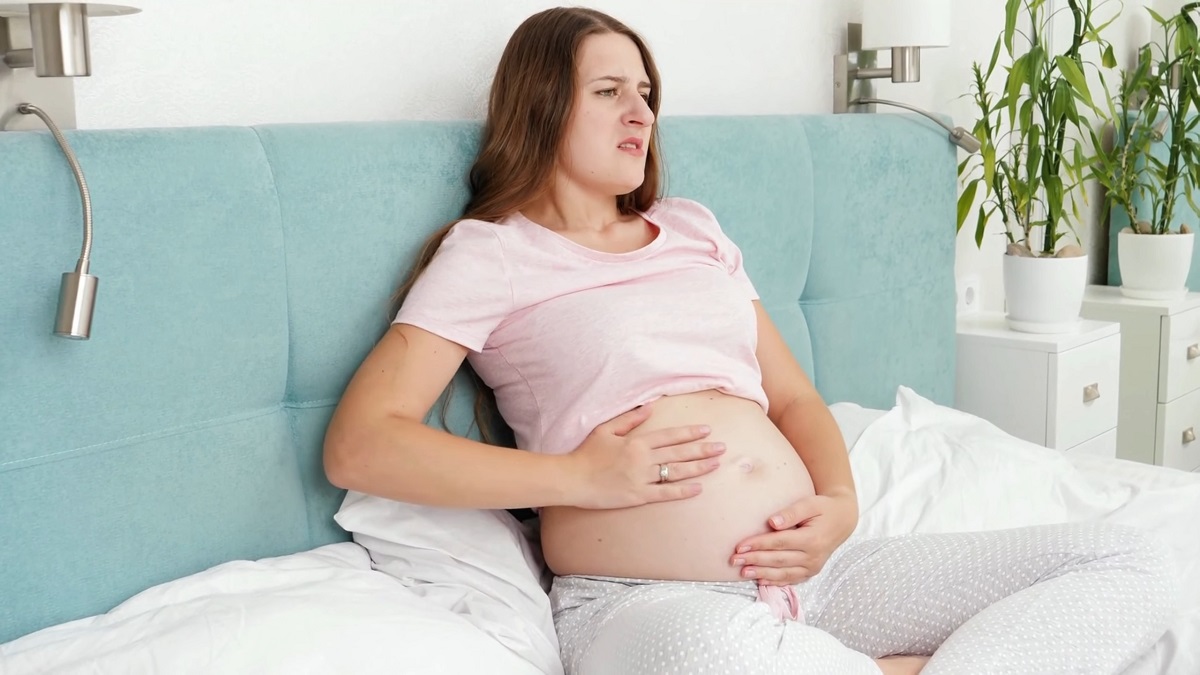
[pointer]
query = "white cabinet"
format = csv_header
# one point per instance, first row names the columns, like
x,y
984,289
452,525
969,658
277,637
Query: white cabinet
x,y
1160,375
1060,391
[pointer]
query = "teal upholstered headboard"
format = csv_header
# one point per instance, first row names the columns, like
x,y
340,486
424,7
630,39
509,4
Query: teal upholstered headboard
x,y
245,272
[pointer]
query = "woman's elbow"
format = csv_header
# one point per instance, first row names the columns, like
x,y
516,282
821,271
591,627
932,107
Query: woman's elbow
x,y
340,458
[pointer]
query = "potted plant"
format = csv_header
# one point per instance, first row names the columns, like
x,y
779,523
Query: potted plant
x,y
1154,161
1032,164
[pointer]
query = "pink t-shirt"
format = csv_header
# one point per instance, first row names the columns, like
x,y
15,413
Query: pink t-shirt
x,y
569,337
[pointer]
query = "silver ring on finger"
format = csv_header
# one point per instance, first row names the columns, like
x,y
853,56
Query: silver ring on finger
x,y
664,473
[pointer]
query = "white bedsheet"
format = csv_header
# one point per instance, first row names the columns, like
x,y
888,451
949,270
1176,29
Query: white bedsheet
x,y
919,468
925,468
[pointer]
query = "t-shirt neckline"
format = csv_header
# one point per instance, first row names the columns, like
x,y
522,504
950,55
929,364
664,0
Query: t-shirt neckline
x,y
593,254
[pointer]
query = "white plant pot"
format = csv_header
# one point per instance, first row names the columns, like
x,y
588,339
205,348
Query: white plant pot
x,y
1154,266
1044,295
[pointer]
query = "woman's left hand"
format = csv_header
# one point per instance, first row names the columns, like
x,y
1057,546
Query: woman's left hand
x,y
805,535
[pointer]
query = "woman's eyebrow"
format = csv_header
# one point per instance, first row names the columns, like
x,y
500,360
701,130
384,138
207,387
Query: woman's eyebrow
x,y
620,80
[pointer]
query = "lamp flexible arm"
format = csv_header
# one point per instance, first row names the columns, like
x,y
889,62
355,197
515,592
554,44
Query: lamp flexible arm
x,y
86,254
958,135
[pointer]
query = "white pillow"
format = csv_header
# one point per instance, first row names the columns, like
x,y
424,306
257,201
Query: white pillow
x,y
924,467
483,565
853,420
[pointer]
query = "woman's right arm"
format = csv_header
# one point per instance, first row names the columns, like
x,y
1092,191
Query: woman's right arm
x,y
377,443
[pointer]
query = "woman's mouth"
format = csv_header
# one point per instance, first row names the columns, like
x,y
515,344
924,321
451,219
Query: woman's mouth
x,y
632,146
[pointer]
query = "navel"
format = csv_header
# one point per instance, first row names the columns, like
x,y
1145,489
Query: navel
x,y
746,464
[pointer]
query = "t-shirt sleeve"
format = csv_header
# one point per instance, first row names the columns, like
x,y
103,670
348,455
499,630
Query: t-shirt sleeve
x,y
731,255
727,252
466,291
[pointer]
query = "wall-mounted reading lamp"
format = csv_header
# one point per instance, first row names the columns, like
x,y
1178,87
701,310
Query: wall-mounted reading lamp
x,y
60,48
59,35
904,27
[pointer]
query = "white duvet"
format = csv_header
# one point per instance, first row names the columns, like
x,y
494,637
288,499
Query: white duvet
x,y
321,611
926,468
919,467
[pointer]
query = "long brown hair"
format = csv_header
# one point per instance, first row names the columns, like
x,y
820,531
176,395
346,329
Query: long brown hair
x,y
528,110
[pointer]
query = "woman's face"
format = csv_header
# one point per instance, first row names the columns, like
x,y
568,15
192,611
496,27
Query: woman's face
x,y
608,132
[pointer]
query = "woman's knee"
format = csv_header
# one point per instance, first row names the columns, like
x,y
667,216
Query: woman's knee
x,y
1155,580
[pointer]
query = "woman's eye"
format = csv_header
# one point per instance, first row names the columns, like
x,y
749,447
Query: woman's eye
x,y
646,96
607,92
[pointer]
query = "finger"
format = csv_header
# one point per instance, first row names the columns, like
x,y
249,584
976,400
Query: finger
x,y
788,540
677,471
669,492
776,575
772,559
796,514
628,421
689,452
661,438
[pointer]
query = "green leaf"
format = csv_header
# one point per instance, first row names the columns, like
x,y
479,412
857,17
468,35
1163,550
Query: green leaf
x,y
992,63
1060,100
1035,149
1010,23
1074,75
1107,58
980,226
1016,79
989,163
965,201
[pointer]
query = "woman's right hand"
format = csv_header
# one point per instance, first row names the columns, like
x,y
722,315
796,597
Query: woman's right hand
x,y
617,467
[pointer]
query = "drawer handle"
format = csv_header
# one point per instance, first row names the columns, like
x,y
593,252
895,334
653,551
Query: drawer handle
x,y
1193,352
1091,392
1189,435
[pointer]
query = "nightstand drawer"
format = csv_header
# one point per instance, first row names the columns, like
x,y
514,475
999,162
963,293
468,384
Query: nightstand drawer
x,y
1179,355
1178,427
1103,446
1085,381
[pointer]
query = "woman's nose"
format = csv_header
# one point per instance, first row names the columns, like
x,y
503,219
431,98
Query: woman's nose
x,y
640,113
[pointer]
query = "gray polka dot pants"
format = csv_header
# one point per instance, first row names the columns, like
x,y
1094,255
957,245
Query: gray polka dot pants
x,y
1078,598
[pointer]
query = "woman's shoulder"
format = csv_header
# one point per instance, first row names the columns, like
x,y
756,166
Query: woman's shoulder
x,y
476,233
473,227
685,215
681,207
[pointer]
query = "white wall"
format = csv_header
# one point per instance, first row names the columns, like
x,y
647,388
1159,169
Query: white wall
x,y
202,62
193,62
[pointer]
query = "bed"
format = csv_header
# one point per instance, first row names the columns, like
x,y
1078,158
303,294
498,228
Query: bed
x,y
162,503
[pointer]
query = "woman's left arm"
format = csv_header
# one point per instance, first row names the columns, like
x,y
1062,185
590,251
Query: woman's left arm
x,y
807,532
800,413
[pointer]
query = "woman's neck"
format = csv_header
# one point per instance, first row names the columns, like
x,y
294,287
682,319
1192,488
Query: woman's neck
x,y
572,209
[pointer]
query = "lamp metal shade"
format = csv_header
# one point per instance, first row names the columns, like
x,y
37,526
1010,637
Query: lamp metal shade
x,y
59,35
905,23
60,40
76,301
10,10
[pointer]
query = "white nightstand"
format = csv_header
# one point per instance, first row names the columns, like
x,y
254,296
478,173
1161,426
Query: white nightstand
x,y
1160,375
1059,391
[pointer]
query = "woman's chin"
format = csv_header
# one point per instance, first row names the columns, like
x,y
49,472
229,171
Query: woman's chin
x,y
624,187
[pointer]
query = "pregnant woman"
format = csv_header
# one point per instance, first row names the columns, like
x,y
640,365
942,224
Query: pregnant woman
x,y
695,496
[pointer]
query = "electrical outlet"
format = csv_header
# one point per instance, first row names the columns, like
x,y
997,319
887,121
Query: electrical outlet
x,y
969,295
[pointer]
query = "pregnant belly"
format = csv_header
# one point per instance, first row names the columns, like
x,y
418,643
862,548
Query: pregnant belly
x,y
692,539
